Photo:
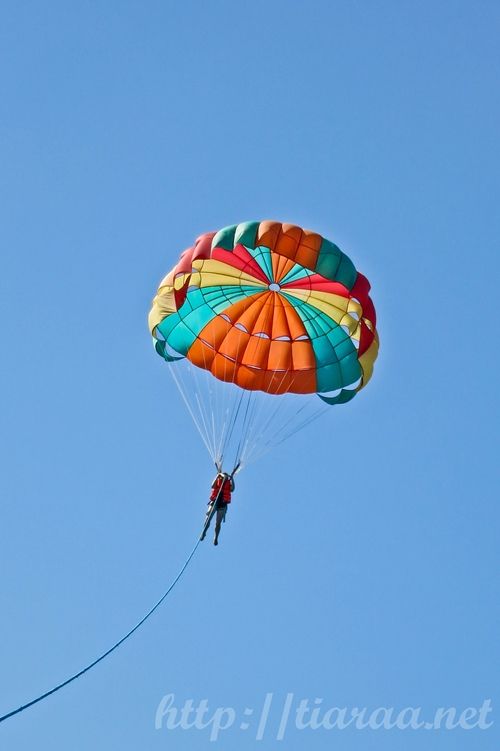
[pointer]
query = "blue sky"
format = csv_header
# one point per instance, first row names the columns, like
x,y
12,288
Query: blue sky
x,y
359,564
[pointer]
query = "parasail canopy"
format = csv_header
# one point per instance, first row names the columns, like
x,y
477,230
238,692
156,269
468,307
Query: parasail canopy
x,y
265,307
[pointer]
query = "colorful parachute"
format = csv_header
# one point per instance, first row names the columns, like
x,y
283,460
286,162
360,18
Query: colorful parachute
x,y
268,307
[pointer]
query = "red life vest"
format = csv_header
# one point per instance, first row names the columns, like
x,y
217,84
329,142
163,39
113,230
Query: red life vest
x,y
226,489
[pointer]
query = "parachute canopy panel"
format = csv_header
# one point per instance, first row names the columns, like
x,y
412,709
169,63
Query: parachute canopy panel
x,y
269,307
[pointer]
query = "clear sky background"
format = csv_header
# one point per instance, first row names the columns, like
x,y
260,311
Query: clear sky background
x,y
359,563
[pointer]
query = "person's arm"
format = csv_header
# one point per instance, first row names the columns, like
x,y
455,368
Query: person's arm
x,y
232,484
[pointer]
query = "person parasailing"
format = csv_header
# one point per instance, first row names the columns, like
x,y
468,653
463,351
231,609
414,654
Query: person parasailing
x,y
220,498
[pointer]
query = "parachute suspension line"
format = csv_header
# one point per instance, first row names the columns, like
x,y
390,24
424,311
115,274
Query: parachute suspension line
x,y
270,417
273,437
206,407
273,441
254,432
205,426
200,402
203,376
232,422
273,417
250,430
108,651
244,430
180,386
319,413
213,401
222,423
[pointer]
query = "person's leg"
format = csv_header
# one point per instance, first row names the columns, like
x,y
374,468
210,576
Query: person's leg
x,y
218,522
